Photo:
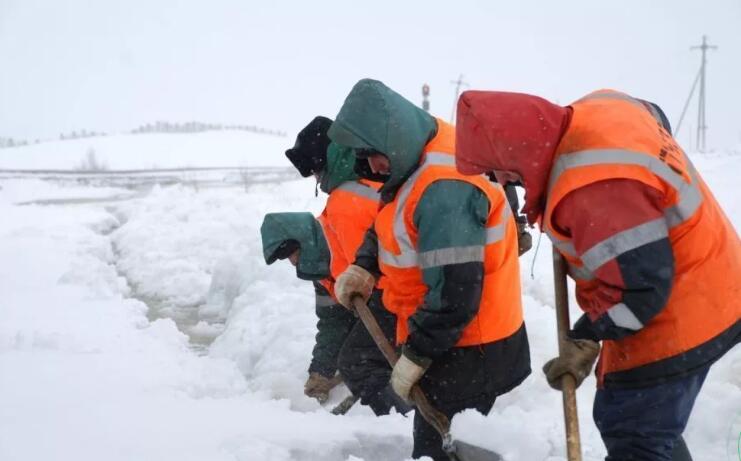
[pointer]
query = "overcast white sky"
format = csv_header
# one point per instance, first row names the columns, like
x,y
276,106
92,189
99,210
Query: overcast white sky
x,y
105,65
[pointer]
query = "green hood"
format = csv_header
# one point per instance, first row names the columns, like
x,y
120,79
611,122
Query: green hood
x,y
313,261
339,168
375,117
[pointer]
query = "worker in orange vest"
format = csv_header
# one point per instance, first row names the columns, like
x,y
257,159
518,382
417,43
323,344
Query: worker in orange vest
x,y
445,246
351,207
657,264
300,238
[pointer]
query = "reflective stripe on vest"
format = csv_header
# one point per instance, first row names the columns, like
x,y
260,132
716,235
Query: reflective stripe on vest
x,y
579,272
564,246
361,190
609,140
612,95
499,313
624,241
623,317
625,97
443,256
689,194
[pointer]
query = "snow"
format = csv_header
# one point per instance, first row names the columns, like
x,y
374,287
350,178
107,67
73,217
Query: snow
x,y
17,190
151,329
156,150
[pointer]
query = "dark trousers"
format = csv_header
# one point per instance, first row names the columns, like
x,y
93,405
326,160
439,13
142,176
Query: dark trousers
x,y
469,377
647,423
427,441
363,367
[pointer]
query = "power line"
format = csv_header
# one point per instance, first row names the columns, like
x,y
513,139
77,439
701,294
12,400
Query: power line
x,y
458,84
686,105
701,122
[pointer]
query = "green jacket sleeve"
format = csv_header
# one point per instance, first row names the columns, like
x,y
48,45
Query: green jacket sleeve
x,y
333,325
367,254
451,221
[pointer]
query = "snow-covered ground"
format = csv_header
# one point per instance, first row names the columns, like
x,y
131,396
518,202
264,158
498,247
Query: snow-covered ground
x,y
151,329
154,150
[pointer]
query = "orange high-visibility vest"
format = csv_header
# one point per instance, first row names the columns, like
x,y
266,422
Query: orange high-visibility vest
x,y
500,309
611,135
350,211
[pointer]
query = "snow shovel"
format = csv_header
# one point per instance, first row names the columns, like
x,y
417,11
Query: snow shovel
x,y
568,383
455,449
344,406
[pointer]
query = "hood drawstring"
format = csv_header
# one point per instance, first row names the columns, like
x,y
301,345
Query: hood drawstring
x,y
535,256
316,188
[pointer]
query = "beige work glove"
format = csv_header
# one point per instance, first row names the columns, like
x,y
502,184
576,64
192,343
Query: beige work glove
x,y
355,281
577,359
524,239
405,374
318,386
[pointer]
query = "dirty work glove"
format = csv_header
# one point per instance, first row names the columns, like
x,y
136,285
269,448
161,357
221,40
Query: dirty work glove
x,y
318,386
524,239
355,281
406,373
577,359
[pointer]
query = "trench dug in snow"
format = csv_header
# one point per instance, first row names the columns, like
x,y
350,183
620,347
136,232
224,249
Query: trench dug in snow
x,y
187,318
200,333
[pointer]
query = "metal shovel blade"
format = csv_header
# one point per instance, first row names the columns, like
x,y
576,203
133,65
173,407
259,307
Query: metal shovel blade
x,y
467,452
344,406
458,450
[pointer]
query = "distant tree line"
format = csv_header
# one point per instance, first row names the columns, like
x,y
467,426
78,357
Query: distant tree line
x,y
156,127
10,142
81,134
198,127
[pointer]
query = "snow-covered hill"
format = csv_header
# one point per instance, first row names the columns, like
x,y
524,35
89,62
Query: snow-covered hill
x,y
158,150
108,310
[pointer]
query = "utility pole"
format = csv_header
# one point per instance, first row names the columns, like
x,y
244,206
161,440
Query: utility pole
x,y
458,84
701,126
425,95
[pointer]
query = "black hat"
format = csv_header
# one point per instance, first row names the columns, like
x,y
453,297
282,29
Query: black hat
x,y
309,154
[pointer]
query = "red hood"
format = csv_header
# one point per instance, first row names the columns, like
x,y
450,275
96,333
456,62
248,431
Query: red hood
x,y
513,132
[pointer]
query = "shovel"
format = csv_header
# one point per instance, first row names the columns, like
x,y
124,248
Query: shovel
x,y
344,406
568,383
455,449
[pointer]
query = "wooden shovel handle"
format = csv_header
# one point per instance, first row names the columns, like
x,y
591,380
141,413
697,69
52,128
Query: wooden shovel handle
x,y
432,415
568,383
375,330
